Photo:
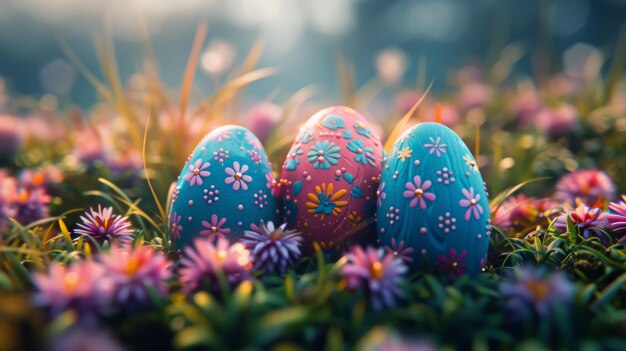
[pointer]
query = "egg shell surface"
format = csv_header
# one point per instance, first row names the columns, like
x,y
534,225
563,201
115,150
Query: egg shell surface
x,y
225,186
329,179
432,199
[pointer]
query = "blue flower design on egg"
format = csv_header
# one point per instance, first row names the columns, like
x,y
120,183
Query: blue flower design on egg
x,y
306,136
333,122
292,158
364,155
324,154
362,129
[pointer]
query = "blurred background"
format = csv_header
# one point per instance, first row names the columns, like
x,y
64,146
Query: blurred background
x,y
303,39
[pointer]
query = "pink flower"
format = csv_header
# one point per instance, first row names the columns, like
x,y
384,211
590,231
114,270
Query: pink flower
x,y
583,217
262,120
237,176
215,228
417,191
398,250
132,271
591,186
77,287
221,135
197,172
271,183
452,264
617,217
175,226
204,262
103,225
556,121
471,202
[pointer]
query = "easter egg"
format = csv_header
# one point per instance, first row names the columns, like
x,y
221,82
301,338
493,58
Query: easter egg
x,y
225,186
329,179
432,199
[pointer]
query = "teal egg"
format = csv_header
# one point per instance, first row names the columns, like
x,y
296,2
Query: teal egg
x,y
432,199
225,186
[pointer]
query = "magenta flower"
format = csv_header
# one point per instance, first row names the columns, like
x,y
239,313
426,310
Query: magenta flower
x,y
215,229
273,249
271,183
617,217
103,225
471,202
583,217
175,227
555,121
453,264
207,260
531,289
398,250
262,120
79,287
237,176
591,186
31,205
417,191
436,146
380,194
132,271
377,272
197,172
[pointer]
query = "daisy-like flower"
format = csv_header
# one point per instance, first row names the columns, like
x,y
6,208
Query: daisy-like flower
x,y
583,217
452,264
175,226
271,183
215,229
591,186
79,287
31,205
471,202
436,146
132,271
470,162
416,191
324,154
399,250
617,217
293,160
364,155
221,136
273,249
362,129
380,194
377,272
197,172
324,202
207,260
237,176
531,289
103,225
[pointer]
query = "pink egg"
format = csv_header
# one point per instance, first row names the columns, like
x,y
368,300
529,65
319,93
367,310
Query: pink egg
x,y
330,177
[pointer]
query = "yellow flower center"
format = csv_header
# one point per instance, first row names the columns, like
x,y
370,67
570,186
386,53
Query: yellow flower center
x,y
213,229
378,193
377,270
220,256
419,192
538,290
196,172
473,202
238,175
133,266
70,281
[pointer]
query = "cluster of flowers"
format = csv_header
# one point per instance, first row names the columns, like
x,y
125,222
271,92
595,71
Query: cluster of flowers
x,y
583,196
26,197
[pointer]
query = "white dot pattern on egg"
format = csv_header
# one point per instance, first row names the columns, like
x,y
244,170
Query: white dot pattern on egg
x,y
225,186
433,200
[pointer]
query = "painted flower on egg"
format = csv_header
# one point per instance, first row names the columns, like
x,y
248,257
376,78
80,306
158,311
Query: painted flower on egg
x,y
225,186
434,201
330,177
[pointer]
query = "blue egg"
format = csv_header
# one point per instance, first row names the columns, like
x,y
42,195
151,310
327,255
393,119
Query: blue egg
x,y
432,199
225,186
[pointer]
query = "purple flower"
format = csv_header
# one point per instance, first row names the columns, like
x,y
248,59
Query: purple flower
x,y
378,272
175,227
532,289
436,146
452,264
617,217
31,205
273,249
583,217
380,194
237,177
591,186
197,172
471,202
556,121
262,119
417,191
215,228
103,225
79,287
10,135
207,260
398,250
132,271
85,338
